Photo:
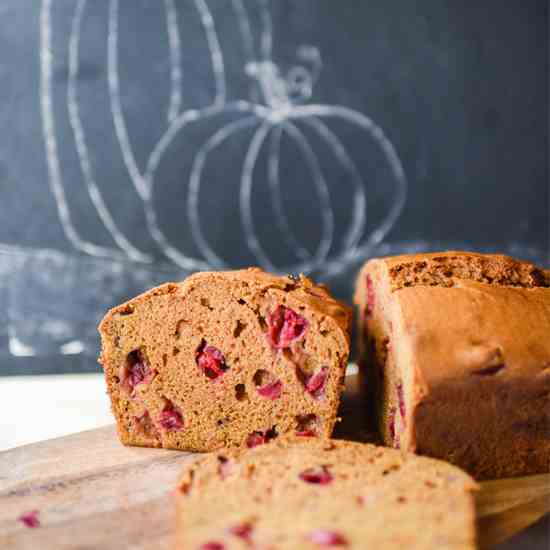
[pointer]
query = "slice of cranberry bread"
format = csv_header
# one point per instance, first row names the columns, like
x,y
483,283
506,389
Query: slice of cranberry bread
x,y
313,493
456,347
225,359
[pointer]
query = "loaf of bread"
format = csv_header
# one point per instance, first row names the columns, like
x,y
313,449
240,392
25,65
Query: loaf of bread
x,y
312,493
225,359
456,348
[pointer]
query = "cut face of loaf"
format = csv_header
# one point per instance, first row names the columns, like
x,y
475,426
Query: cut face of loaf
x,y
311,493
456,348
225,359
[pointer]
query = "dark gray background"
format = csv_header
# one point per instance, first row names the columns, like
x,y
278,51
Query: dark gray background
x,y
460,89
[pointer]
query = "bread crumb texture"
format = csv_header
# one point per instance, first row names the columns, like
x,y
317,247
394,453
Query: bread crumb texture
x,y
315,493
226,359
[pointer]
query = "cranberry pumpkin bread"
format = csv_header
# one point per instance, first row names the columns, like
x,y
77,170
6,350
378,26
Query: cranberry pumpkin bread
x,y
456,347
312,493
225,359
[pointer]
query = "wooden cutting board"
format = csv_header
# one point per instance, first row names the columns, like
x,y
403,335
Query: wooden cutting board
x,y
88,491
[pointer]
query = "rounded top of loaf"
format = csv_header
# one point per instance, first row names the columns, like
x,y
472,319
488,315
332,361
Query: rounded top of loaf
x,y
299,288
441,268
467,318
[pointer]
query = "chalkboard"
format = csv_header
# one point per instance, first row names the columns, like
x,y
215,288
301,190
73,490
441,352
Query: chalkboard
x,y
146,140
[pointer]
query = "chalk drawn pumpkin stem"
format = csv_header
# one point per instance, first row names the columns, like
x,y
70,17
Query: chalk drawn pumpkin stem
x,y
81,144
276,197
195,181
55,179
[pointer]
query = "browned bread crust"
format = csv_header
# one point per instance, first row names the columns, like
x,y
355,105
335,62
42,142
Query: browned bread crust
x,y
456,348
301,494
224,359
444,268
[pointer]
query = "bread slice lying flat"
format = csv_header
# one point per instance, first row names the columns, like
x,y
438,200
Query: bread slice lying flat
x,y
314,493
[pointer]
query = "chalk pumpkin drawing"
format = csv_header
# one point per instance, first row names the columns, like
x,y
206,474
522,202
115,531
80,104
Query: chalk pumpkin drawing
x,y
278,108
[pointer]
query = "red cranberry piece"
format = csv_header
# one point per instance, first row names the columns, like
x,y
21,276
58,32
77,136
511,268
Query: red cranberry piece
x,y
170,418
210,360
212,545
391,423
243,531
272,390
259,438
306,433
314,383
30,519
284,327
327,538
136,371
401,400
370,297
255,439
317,477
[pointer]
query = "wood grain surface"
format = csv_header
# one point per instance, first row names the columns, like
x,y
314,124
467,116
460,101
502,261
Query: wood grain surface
x,y
89,491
